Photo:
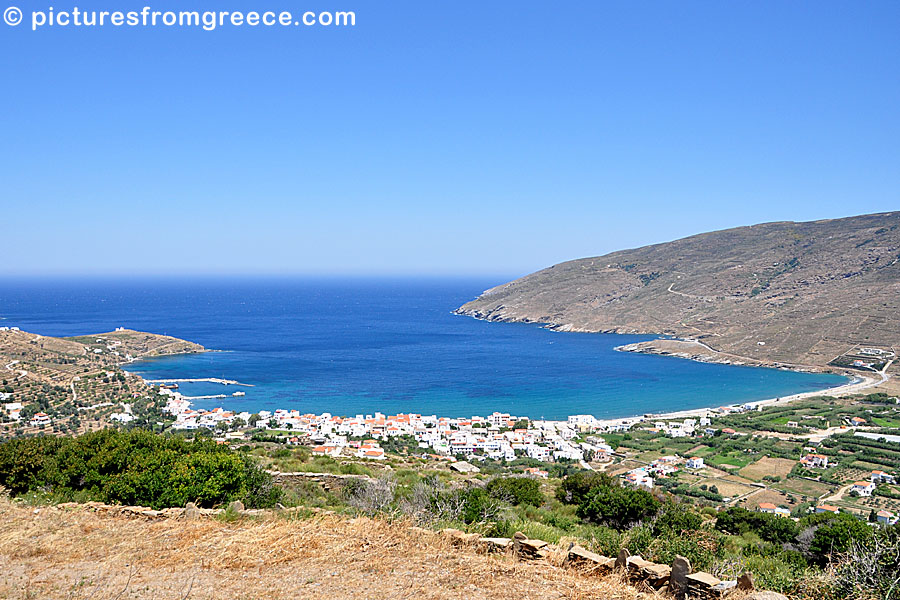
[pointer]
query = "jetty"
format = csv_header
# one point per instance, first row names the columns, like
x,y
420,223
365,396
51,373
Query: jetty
x,y
203,380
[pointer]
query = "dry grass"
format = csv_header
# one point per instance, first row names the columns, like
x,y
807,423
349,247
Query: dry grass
x,y
52,553
767,465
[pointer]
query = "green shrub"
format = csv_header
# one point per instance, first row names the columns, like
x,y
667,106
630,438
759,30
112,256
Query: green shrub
x,y
477,506
701,546
676,518
836,536
618,507
134,467
516,490
772,528
576,488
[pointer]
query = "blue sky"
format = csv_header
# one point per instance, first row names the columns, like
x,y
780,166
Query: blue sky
x,y
437,137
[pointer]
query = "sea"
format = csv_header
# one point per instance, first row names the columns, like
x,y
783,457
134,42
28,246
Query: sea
x,y
360,346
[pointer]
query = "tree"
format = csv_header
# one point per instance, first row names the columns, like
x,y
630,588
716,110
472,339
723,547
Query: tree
x,y
676,518
771,528
576,488
836,537
618,507
253,420
135,467
516,490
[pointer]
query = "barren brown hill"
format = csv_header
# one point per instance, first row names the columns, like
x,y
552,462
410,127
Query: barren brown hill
x,y
793,293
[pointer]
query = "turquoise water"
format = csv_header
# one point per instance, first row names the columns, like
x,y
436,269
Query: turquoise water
x,y
360,346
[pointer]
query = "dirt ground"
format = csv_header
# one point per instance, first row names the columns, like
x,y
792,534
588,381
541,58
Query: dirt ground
x,y
80,555
768,466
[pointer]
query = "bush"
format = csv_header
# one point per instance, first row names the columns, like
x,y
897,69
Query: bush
x,y
516,490
676,518
871,566
701,546
618,507
134,467
772,528
478,506
837,536
576,487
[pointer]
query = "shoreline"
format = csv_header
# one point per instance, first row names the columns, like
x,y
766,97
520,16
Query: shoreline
x,y
856,385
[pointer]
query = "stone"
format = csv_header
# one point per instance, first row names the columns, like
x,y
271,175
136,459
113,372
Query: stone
x,y
658,571
622,559
702,580
579,554
519,536
724,586
766,596
191,511
745,581
495,544
656,575
237,506
681,568
532,545
637,562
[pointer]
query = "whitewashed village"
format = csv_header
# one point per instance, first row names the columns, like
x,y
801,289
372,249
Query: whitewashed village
x,y
503,437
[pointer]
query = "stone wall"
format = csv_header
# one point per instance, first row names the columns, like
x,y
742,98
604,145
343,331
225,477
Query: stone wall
x,y
677,579
329,481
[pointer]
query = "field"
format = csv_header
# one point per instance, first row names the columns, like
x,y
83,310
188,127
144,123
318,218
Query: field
x,y
779,467
774,496
76,555
728,488
805,487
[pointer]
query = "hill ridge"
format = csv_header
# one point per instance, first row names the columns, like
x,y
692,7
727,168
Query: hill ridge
x,y
784,292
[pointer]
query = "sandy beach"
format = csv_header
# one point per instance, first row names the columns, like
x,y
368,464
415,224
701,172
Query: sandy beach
x,y
857,385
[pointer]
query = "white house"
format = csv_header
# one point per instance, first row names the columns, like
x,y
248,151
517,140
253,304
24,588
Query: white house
x,y
815,461
882,477
767,507
694,462
40,419
863,488
13,409
538,452
886,517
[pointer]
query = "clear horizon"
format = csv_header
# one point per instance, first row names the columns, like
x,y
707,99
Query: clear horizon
x,y
464,140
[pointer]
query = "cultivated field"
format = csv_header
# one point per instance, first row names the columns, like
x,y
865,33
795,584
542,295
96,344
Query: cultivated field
x,y
779,467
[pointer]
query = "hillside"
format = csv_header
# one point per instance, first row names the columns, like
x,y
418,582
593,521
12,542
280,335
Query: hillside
x,y
76,381
54,553
793,293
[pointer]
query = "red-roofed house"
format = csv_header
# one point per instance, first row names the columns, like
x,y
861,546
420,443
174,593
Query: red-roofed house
x,y
863,488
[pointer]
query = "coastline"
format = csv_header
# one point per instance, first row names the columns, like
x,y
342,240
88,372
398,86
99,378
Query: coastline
x,y
856,385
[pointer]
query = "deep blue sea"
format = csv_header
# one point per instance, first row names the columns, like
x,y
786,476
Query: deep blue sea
x,y
362,345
